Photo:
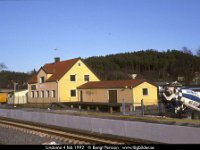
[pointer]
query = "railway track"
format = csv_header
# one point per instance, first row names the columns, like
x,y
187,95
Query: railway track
x,y
63,136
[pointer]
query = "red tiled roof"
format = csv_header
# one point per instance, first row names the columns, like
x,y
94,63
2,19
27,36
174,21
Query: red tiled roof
x,y
112,84
33,79
58,69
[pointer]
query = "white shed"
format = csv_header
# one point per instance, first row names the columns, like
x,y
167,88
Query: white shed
x,y
20,97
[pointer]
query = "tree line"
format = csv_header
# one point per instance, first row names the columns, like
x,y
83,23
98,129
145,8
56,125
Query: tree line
x,y
151,64
8,78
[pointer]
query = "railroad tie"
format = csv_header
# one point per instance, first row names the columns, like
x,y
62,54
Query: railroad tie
x,y
32,132
116,143
65,140
61,139
66,137
76,142
56,137
42,134
83,143
70,141
8,126
48,136
51,136
24,130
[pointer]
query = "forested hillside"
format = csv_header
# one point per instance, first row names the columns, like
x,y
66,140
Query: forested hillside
x,y
7,78
150,64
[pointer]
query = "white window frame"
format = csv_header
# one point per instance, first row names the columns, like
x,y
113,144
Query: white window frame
x,y
53,93
41,79
37,94
47,94
42,94
32,94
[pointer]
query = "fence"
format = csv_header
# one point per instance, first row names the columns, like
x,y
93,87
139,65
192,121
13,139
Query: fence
x,y
23,101
119,108
17,100
138,109
142,108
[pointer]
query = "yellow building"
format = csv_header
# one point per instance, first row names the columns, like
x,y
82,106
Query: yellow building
x,y
114,92
4,95
58,81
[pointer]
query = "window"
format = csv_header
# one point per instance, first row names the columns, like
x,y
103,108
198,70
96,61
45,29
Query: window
x,y
33,87
32,94
73,93
79,64
41,79
145,91
37,94
47,94
42,94
86,78
53,93
72,77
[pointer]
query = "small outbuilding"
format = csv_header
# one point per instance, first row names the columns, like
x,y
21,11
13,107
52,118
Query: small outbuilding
x,y
18,97
118,92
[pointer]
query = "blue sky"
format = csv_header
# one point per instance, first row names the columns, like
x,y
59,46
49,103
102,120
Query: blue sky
x,y
30,30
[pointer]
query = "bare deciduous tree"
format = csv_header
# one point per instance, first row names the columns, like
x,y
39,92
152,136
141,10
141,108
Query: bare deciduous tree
x,y
3,66
186,50
198,52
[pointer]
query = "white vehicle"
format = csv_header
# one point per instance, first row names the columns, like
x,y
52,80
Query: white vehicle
x,y
179,100
189,98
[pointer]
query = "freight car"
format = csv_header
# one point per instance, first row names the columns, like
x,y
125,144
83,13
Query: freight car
x,y
3,97
4,93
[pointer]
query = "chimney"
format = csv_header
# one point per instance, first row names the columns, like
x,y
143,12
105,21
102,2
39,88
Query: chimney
x,y
57,59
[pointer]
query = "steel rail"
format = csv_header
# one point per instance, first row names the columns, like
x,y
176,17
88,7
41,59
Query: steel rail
x,y
63,136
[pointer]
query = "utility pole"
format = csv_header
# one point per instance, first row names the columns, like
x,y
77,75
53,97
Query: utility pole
x,y
14,86
123,107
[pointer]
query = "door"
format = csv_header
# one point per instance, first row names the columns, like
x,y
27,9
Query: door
x,y
81,96
112,96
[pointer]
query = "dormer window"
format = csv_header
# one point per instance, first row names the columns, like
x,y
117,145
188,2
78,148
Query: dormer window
x,y
33,87
41,79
